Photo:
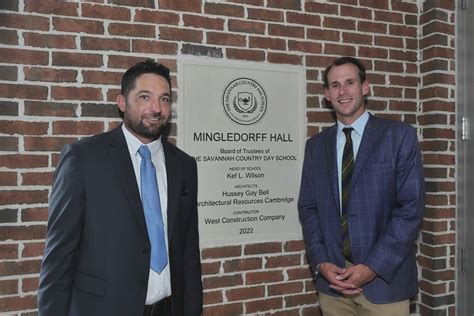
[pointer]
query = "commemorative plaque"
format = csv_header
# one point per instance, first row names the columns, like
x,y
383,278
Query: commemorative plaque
x,y
244,123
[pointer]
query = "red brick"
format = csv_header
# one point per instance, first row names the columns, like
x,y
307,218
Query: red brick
x,y
388,16
23,127
303,18
132,30
49,108
188,5
37,178
245,293
49,40
17,303
213,297
246,26
294,245
245,54
33,250
56,7
305,46
78,26
282,261
356,38
339,23
9,37
320,116
8,251
254,307
285,288
299,273
376,4
285,4
49,74
156,17
222,252
8,287
28,22
388,41
155,47
227,309
261,248
203,22
105,12
179,34
286,31
222,281
23,232
77,59
356,12
223,9
242,264
311,311
263,277
23,91
77,127
302,299
403,106
371,27
321,8
30,284
264,15
342,50
226,39
431,251
8,178
105,44
23,56
76,93
210,268
23,161
434,227
102,77
34,214
47,143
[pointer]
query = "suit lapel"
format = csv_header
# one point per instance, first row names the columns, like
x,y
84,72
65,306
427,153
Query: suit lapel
x,y
331,155
172,175
119,157
372,132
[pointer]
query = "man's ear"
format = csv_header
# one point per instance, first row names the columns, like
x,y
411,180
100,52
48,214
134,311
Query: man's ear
x,y
121,102
326,94
365,88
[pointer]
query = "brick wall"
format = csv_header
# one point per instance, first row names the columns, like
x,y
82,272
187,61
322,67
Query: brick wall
x,y
60,68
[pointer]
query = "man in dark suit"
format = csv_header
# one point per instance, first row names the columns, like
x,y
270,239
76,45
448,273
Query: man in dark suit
x,y
361,203
122,230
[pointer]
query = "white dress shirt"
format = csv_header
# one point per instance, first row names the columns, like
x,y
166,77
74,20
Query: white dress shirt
x,y
159,284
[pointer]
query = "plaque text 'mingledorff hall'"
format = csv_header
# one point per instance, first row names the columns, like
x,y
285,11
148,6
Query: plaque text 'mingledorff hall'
x,y
241,137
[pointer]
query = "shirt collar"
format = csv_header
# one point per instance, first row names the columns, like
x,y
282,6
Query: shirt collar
x,y
358,125
134,143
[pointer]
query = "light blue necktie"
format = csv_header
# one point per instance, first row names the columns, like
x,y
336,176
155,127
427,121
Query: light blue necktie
x,y
152,208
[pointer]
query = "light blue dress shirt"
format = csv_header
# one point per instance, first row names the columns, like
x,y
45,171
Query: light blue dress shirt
x,y
356,135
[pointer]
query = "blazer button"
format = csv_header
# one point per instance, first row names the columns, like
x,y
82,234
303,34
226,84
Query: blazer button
x,y
146,251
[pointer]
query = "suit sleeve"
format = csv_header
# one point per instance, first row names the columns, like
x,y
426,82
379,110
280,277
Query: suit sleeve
x,y
193,283
65,217
405,219
308,213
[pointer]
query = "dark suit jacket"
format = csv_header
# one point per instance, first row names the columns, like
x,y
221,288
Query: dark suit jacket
x,y
385,207
97,255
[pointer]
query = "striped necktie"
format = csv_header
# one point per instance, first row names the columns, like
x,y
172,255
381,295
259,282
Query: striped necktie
x,y
346,175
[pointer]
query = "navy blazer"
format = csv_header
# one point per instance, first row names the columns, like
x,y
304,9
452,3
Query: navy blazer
x,y
97,255
385,207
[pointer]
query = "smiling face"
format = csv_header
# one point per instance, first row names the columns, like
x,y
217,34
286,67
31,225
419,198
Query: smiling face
x,y
346,92
147,107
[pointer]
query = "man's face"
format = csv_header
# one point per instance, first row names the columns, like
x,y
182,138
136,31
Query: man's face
x,y
147,107
346,92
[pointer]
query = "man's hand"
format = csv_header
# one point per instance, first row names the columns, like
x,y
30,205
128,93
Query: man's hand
x,y
333,274
357,275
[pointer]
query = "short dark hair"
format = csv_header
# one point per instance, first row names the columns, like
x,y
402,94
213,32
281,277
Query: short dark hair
x,y
342,61
144,67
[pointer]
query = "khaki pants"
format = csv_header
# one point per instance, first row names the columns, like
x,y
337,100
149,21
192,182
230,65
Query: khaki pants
x,y
358,305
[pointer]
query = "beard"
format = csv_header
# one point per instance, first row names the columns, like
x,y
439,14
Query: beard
x,y
151,132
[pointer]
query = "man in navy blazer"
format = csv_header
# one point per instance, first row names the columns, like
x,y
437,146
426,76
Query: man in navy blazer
x,y
384,205
97,255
